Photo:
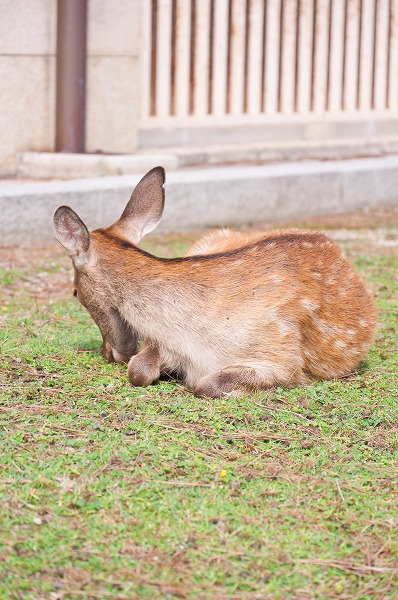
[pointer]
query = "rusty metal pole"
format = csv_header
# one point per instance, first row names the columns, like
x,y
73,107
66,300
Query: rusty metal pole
x,y
71,76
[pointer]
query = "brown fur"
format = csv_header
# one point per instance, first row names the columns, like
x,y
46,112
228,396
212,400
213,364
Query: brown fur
x,y
242,311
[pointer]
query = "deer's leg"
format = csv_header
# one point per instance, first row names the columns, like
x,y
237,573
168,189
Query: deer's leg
x,y
120,356
119,340
144,367
236,381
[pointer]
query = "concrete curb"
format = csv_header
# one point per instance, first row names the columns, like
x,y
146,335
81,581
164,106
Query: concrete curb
x,y
204,198
53,165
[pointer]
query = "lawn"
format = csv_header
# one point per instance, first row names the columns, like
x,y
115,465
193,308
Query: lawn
x,y
107,491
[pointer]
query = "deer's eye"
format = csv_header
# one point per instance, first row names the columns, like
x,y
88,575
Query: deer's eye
x,y
75,292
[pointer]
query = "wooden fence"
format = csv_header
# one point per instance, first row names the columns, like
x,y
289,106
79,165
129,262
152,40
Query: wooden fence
x,y
225,58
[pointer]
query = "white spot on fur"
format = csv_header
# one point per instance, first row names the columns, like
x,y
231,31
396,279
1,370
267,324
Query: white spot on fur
x,y
284,326
309,304
275,278
328,330
340,344
355,351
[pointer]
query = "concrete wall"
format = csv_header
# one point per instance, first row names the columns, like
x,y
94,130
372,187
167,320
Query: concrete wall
x,y
113,75
27,75
28,71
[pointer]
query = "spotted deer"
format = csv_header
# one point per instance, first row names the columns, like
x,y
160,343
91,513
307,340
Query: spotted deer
x,y
241,312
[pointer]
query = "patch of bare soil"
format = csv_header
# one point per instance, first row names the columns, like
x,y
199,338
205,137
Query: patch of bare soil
x,y
14,257
43,272
366,218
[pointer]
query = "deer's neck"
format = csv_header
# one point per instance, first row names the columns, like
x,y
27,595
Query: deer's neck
x,y
151,293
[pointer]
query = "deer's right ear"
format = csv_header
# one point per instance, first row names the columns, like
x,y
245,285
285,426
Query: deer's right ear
x,y
145,207
72,233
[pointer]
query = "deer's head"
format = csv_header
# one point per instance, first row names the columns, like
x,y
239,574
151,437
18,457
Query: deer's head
x,y
94,285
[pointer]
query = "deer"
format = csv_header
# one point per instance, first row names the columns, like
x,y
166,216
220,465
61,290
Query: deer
x,y
239,313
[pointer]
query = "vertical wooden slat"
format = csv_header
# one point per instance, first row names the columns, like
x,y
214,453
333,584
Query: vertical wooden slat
x,y
201,57
288,58
237,56
393,66
320,56
146,58
351,55
381,50
336,56
305,20
366,55
182,49
255,56
272,40
163,63
220,55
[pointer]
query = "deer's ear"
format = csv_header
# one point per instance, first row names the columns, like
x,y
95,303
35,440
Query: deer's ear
x,y
145,207
72,233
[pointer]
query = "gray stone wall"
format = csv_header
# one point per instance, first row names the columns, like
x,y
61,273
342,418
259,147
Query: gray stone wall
x,y
28,77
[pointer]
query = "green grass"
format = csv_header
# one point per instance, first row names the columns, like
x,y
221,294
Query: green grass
x,y
112,492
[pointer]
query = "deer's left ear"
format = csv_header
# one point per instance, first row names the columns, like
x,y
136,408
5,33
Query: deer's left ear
x,y
145,207
72,233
